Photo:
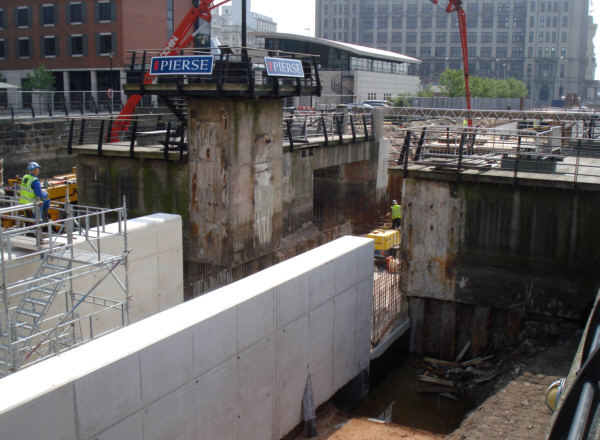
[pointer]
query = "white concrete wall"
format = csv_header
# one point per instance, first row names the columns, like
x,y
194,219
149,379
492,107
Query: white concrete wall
x,y
380,83
231,364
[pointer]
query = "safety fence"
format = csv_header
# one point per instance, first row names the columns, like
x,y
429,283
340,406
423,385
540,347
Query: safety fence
x,y
161,132
303,127
568,152
236,71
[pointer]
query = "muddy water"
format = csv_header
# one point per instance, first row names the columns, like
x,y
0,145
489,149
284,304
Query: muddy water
x,y
395,400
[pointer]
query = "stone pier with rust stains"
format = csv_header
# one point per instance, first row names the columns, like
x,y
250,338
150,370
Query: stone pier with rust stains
x,y
235,172
485,253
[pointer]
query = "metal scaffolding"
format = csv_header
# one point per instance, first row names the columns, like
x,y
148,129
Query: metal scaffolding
x,y
59,288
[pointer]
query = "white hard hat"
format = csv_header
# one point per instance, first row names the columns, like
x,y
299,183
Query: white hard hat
x,y
394,202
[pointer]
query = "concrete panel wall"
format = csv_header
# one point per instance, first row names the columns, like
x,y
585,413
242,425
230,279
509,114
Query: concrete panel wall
x,y
228,365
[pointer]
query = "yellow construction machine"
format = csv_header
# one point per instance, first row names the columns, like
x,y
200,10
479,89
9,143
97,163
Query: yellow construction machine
x,y
57,188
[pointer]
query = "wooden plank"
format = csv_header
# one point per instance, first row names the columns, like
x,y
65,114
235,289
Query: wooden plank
x,y
436,380
463,351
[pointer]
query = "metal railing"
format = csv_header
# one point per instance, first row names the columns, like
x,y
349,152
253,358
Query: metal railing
x,y
233,66
566,153
578,415
301,128
161,131
20,104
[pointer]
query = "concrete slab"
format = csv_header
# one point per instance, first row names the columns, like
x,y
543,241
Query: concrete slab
x,y
218,407
255,319
292,299
256,372
321,351
215,341
172,417
33,420
292,371
108,395
345,362
166,365
130,428
322,285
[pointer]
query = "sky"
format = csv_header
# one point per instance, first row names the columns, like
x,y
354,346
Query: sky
x,y
298,17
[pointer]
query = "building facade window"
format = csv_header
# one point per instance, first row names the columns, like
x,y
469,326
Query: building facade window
x,y
105,43
76,13
486,52
440,52
3,54
24,47
502,37
397,21
411,37
454,37
425,51
501,52
426,22
382,37
565,21
48,15
487,37
411,22
23,16
49,46
105,11
77,45
425,37
396,37
441,37
441,22
455,52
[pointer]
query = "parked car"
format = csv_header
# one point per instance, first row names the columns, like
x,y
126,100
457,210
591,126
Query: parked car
x,y
375,103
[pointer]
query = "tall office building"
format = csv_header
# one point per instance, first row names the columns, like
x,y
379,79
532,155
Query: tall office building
x,y
547,44
227,27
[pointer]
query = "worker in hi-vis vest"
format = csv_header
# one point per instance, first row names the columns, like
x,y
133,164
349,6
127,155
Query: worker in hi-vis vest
x,y
396,215
31,190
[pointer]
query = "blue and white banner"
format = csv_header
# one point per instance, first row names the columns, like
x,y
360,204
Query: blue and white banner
x,y
182,65
284,67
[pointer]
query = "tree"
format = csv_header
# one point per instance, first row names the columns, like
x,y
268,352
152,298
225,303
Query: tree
x,y
517,88
41,79
402,100
427,92
453,83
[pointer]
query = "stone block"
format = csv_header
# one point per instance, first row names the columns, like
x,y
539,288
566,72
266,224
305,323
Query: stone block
x,y
215,341
255,319
217,402
322,285
132,428
256,375
51,415
292,299
166,365
107,395
292,370
173,416
320,351
345,365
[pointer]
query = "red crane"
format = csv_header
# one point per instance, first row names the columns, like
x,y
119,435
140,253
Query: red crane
x,y
181,38
456,6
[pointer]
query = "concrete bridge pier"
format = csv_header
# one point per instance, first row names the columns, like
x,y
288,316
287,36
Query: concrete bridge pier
x,y
235,175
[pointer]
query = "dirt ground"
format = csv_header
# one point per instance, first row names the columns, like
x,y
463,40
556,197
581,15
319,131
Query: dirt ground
x,y
513,406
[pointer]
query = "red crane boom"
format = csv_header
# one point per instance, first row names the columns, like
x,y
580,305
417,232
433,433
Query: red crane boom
x,y
181,38
456,6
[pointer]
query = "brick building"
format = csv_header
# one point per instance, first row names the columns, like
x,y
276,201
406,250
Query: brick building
x,y
78,40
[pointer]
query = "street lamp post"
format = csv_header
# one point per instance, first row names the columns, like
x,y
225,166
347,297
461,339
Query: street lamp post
x,y
110,95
